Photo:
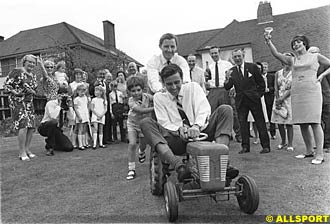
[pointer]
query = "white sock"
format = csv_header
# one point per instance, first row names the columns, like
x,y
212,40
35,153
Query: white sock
x,y
74,139
131,165
86,139
94,139
101,139
80,140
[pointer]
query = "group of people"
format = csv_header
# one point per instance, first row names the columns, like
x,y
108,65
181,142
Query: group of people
x,y
175,100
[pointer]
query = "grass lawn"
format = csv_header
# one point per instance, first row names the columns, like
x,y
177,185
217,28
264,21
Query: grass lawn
x,y
90,187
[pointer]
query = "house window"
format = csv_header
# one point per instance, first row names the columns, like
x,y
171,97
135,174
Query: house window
x,y
7,65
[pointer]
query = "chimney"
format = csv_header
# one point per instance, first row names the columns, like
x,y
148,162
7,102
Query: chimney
x,y
109,34
265,13
2,38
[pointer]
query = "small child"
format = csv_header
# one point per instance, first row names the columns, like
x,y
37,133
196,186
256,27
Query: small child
x,y
60,74
98,108
141,106
80,103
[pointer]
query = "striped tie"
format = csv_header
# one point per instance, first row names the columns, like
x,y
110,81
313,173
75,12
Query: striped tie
x,y
182,113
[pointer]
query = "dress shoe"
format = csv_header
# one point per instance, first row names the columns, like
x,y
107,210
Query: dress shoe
x,y
244,150
232,172
183,173
24,158
31,155
50,152
265,150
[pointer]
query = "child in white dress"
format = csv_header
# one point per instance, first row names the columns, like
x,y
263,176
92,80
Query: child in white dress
x,y
98,108
80,103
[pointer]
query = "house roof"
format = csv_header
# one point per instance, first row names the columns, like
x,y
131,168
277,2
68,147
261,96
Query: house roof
x,y
41,38
189,41
314,23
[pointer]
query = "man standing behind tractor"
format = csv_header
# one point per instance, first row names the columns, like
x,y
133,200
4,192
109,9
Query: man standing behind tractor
x,y
168,43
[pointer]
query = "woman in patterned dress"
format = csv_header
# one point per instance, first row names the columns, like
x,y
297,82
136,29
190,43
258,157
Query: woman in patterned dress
x,y
283,116
21,85
306,95
50,84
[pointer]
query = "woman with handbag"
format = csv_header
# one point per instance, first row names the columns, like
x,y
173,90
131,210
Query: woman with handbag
x,y
282,113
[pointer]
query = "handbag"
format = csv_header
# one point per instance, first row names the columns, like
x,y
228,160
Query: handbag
x,y
282,111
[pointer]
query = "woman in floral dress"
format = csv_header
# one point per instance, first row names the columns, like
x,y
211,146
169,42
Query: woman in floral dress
x,y
50,84
21,85
282,112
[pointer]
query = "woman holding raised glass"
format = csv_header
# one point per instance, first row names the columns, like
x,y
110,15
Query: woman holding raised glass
x,y
306,95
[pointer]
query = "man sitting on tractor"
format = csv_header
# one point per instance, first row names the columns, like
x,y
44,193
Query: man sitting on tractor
x,y
182,112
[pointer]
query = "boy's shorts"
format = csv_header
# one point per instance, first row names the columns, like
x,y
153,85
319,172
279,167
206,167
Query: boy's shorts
x,y
134,128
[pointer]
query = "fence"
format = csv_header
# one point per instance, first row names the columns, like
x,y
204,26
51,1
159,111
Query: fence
x,y
39,103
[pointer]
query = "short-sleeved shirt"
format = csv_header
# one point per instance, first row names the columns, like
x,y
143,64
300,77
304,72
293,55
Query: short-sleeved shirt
x,y
133,117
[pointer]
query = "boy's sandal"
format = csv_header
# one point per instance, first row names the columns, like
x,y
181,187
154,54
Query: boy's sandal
x,y
131,175
280,146
142,157
303,156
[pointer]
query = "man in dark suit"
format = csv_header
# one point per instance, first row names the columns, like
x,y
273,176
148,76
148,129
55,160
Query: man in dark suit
x,y
249,86
269,97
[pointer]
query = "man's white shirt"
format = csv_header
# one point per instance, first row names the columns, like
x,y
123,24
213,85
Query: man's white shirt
x,y
194,104
223,66
157,63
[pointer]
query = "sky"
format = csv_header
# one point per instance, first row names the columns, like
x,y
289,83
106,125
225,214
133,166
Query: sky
x,y
140,23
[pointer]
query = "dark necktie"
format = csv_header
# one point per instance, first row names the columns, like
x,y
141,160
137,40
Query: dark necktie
x,y
240,71
182,113
191,74
216,75
116,96
168,62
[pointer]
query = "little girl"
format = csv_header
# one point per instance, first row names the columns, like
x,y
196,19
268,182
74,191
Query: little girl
x,y
80,103
60,75
98,108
